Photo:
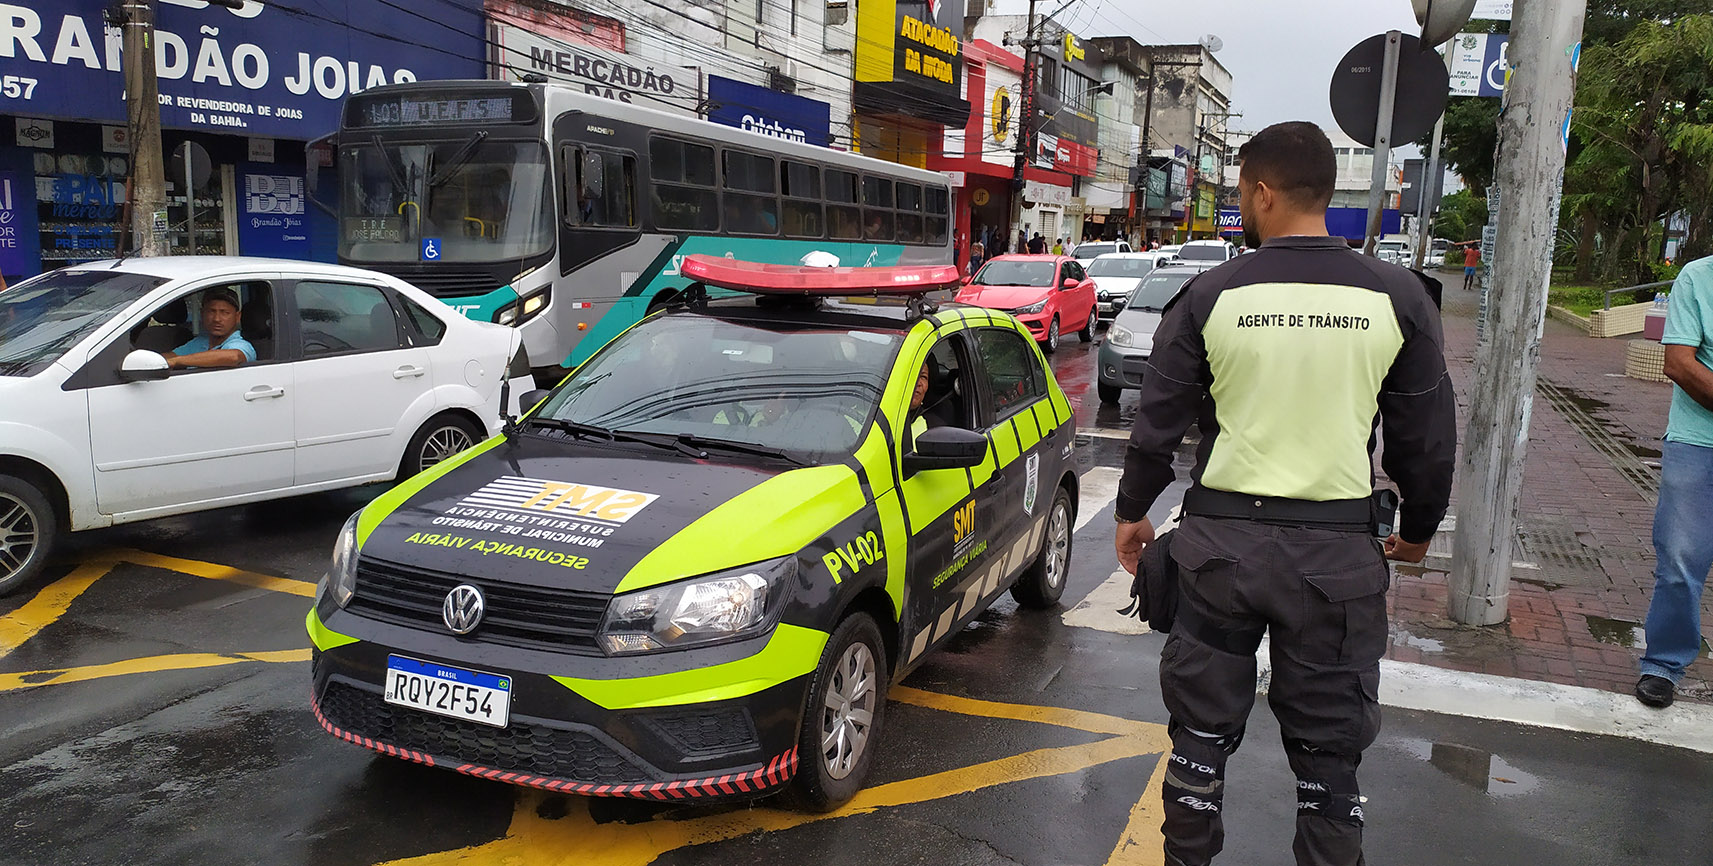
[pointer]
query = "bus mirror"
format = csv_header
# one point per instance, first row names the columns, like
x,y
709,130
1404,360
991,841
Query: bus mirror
x,y
320,154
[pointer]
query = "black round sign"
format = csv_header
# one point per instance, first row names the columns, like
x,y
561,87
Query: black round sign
x,y
1423,88
201,166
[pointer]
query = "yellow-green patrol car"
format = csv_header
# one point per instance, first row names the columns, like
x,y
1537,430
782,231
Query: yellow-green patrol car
x,y
693,569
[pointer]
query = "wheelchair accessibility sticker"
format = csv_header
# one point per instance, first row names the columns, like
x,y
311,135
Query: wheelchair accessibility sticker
x,y
431,249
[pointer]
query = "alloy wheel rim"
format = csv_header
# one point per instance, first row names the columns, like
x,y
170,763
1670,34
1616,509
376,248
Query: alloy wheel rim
x,y
19,535
1058,545
847,715
444,443
1053,333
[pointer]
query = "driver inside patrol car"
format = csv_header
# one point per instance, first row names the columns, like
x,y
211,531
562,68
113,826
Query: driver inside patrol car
x,y
220,344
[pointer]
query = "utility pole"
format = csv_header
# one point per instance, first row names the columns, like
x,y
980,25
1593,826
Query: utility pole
x,y
148,195
1431,173
1383,143
1025,126
1533,126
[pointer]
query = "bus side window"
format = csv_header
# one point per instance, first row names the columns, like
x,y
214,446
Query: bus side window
x,y
600,188
909,213
844,220
752,207
801,185
682,195
938,201
877,215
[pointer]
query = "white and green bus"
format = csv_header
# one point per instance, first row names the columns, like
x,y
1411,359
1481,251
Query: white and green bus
x,y
565,215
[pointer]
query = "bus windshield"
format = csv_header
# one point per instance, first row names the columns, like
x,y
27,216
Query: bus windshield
x,y
471,200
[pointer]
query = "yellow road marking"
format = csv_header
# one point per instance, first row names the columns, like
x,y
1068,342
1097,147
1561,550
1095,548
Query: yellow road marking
x,y
1140,843
577,839
47,607
208,570
147,664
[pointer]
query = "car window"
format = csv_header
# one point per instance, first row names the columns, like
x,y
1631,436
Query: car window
x,y
1013,374
950,398
1089,251
1072,271
339,318
809,392
41,318
1203,252
1117,267
423,324
1002,272
1158,290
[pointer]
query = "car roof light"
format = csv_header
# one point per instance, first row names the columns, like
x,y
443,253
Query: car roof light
x,y
808,281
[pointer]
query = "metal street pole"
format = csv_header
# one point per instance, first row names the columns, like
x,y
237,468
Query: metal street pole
x,y
143,120
1431,173
1382,142
1025,128
1533,130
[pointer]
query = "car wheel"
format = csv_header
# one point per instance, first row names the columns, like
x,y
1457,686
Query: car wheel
x,y
1051,344
842,719
1044,581
28,529
1087,333
440,438
1108,393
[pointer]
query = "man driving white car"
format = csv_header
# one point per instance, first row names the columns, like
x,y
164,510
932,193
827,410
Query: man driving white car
x,y
220,344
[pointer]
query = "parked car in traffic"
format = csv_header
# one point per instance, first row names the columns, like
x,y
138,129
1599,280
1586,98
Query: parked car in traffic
x,y
1208,251
1087,251
150,387
1395,249
1116,275
1129,342
1046,293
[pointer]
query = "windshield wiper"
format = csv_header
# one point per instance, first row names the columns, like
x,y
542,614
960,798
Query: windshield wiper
x,y
458,159
578,428
740,447
574,427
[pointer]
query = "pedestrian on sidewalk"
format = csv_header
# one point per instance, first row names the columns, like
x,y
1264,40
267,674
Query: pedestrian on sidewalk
x,y
1471,262
1037,245
1683,520
1285,356
1059,246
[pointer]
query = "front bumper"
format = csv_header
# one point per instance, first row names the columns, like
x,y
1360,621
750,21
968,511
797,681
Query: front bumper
x,y
1109,306
1037,324
1121,367
558,738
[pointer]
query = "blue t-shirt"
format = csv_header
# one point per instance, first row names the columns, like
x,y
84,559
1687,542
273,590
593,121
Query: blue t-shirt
x,y
1689,322
199,343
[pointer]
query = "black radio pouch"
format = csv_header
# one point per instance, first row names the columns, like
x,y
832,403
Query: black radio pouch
x,y
1385,509
1154,589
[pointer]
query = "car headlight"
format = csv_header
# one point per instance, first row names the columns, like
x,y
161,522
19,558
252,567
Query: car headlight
x,y
1119,335
523,309
1036,307
731,605
342,574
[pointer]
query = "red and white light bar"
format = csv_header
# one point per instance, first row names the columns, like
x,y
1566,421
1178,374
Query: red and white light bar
x,y
802,280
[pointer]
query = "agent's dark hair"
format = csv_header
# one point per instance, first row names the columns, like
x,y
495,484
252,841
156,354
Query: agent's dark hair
x,y
1294,159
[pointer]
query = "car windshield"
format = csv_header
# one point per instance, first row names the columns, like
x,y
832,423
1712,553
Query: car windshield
x,y
1120,267
1089,251
1203,252
41,318
1158,290
1015,273
807,393
476,200
1391,245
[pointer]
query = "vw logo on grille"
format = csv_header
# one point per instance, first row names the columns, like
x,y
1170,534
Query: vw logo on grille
x,y
463,609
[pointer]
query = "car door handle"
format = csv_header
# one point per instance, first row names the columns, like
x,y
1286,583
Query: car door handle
x,y
263,391
408,371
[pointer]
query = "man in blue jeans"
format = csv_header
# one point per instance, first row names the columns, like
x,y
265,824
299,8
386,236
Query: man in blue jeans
x,y
1683,524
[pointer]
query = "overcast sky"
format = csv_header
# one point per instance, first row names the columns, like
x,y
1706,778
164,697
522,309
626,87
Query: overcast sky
x,y
1281,53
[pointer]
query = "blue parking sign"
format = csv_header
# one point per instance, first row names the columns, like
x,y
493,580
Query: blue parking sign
x,y
431,249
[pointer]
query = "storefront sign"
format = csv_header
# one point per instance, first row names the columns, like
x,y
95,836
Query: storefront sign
x,y
115,139
1046,150
1230,219
909,59
256,69
1073,51
261,150
20,248
561,56
769,112
271,217
35,133
1045,193
999,115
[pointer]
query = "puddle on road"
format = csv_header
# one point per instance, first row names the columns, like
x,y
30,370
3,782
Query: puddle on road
x,y
1474,767
1622,632
1425,644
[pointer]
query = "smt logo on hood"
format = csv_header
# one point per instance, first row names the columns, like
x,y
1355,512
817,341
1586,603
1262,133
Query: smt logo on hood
x,y
540,497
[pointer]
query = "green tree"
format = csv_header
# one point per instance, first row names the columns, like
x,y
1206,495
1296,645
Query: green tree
x,y
1461,216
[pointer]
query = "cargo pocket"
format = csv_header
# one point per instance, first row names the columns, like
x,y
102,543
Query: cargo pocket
x,y
1344,614
1204,572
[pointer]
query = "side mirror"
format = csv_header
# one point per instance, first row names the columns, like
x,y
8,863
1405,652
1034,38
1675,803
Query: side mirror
x,y
142,365
968,278
946,448
1118,304
531,399
1070,284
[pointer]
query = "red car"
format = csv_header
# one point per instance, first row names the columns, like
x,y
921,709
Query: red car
x,y
1046,293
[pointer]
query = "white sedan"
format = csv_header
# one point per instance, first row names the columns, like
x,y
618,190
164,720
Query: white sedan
x,y
150,387
1116,275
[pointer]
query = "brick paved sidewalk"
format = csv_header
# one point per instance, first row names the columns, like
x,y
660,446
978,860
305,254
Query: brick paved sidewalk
x,y
1589,488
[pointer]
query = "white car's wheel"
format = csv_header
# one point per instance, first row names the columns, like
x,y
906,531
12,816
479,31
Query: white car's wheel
x,y
441,437
28,529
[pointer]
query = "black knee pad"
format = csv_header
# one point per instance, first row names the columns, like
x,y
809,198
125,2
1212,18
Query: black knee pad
x,y
1224,745
1313,799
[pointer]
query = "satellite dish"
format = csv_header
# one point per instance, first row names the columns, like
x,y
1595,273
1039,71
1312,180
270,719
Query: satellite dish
x,y
1213,43
1441,19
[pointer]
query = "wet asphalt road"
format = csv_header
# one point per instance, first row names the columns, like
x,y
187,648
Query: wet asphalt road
x,y
161,716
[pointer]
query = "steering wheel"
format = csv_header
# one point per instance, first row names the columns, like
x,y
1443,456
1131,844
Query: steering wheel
x,y
320,342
